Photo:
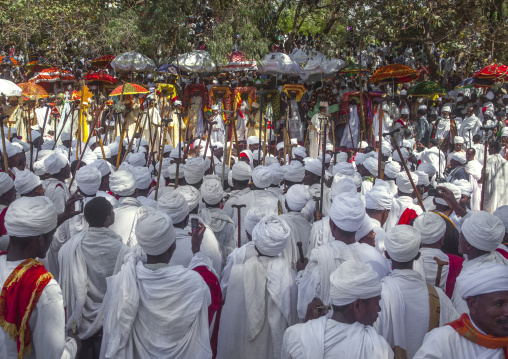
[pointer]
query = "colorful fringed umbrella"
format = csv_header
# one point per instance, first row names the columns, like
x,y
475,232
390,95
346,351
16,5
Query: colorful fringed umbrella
x,y
352,70
493,72
474,82
129,89
394,73
30,89
35,66
100,76
237,61
10,61
427,88
53,74
103,62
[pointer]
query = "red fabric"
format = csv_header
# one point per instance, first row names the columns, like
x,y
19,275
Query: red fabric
x,y
3,231
401,122
408,216
503,252
454,268
216,306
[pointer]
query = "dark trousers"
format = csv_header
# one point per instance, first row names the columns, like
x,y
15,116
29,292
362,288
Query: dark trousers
x,y
91,347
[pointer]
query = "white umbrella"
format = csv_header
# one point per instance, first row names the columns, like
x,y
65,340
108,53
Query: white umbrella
x,y
133,61
195,61
321,65
302,56
9,88
278,63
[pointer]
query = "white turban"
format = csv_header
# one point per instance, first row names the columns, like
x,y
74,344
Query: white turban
x,y
191,195
262,177
178,103
122,183
212,191
403,243
313,165
30,216
446,109
432,227
154,231
392,169
347,212
174,153
362,144
170,171
300,152
194,170
504,132
370,165
422,107
241,171
489,95
423,178
142,176
102,166
6,183
88,179
252,218
378,198
386,148
98,152
405,155
459,157
481,279
294,172
404,111
360,158
136,159
55,163
174,205
270,235
483,231
36,134
341,157
428,168
48,145
353,280
458,139
464,186
342,185
364,229
113,148
358,179
328,158
218,170
270,160
297,197
455,190
502,214
277,173
344,168
252,140
402,181
280,146
39,168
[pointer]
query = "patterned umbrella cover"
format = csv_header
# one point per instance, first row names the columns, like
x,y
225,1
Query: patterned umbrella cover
x,y
426,88
30,89
132,61
9,88
129,89
100,76
6,60
396,72
493,72
53,74
103,62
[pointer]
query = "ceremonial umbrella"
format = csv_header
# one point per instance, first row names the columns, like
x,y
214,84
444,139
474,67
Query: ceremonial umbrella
x,y
35,66
30,89
427,88
394,73
171,69
321,66
237,61
6,60
100,76
195,61
132,61
9,88
129,89
352,69
474,82
302,56
278,63
53,74
103,62
493,72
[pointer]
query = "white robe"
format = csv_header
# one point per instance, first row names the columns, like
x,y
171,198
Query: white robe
x,y
47,323
125,220
223,228
496,183
474,168
300,232
57,192
324,338
407,202
426,266
431,155
352,129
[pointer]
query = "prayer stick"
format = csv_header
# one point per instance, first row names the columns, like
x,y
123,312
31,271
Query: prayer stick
x,y
239,207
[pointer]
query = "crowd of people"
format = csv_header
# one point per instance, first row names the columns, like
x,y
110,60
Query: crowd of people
x,y
255,216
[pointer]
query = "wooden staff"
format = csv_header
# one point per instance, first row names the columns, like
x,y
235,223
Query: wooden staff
x,y
317,200
208,139
380,139
63,125
440,265
131,142
239,207
161,149
324,124
484,169
261,94
100,142
4,150
72,128
179,144
300,251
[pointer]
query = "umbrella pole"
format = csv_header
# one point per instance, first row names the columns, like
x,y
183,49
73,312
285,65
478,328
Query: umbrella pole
x,y
4,151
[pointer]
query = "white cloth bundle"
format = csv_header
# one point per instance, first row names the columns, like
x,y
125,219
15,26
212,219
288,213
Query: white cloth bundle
x,y
294,172
405,155
27,217
270,235
98,152
378,198
252,218
261,177
142,176
483,231
136,159
55,163
191,195
241,171
402,181
297,197
464,186
344,168
194,170
347,212
403,243
371,165
364,229
353,280
300,152
313,165
502,214
432,227
6,183
174,205
392,169
428,168
459,157
212,191
88,179
122,183
277,173
154,231
103,166
423,178
482,278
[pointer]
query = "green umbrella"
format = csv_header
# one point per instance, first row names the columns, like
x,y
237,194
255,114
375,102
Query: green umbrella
x,y
427,88
352,69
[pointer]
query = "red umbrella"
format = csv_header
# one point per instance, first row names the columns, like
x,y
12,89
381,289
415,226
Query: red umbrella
x,y
493,72
100,76
239,62
53,74
103,62
128,89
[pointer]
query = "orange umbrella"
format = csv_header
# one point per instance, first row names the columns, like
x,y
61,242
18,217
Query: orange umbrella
x,y
6,60
53,74
129,89
30,89
396,73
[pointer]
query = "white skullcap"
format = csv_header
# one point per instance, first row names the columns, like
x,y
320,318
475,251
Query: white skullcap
x,y
364,229
212,191
428,168
422,107
252,140
459,157
405,155
342,185
404,111
48,145
39,168
142,176
360,158
178,103
455,190
98,152
102,166
277,173
122,183
432,227
378,198
347,212
136,159
270,235
262,177
446,109
191,195
313,165
194,170
423,178
351,281
294,172
502,214
458,139
300,152
370,165
65,136
483,231
489,95
403,243
297,197
174,205
88,179
280,146
270,160
170,171
404,184
488,113
344,168
55,163
154,231
483,278
341,157
252,218
113,148
328,158
6,183
392,169
30,216
464,186
241,171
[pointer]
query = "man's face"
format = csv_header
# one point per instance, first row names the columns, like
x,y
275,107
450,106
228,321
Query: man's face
x,y
367,309
37,192
463,244
454,163
458,147
446,114
504,141
59,101
67,171
369,239
254,147
470,111
309,178
405,117
470,155
490,312
41,102
13,102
